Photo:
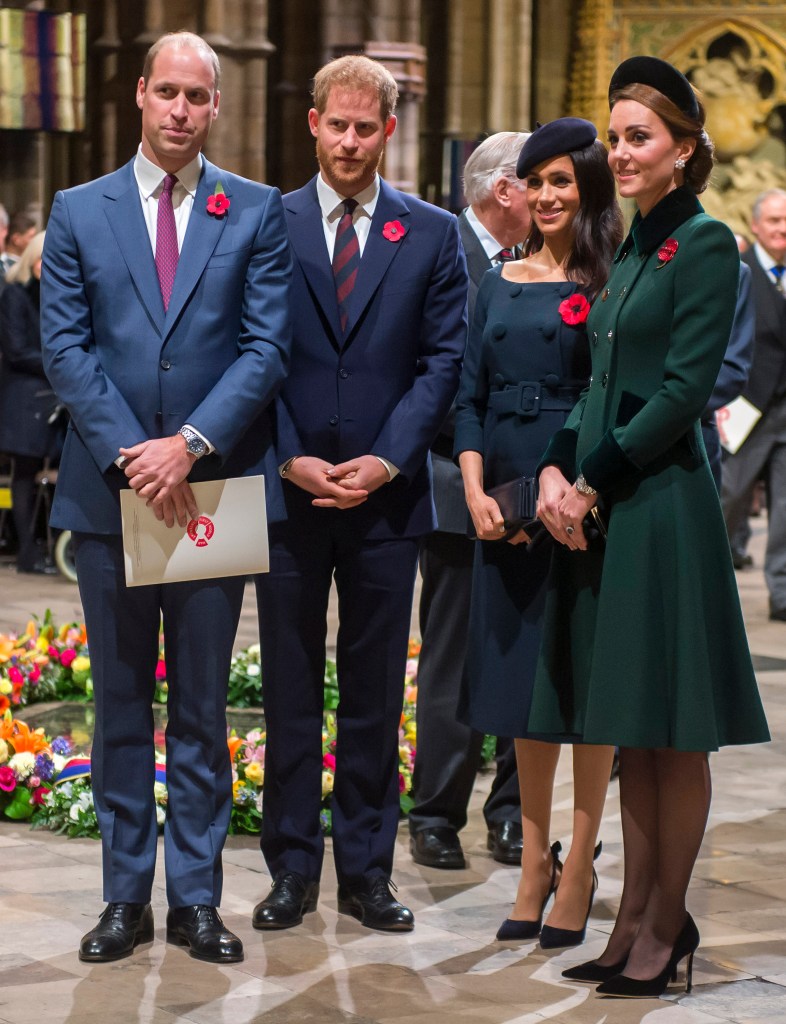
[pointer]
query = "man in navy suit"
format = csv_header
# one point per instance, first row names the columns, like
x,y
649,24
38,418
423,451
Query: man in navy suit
x,y
166,331
380,286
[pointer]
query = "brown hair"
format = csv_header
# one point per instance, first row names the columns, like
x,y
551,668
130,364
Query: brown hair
x,y
181,40
358,74
680,125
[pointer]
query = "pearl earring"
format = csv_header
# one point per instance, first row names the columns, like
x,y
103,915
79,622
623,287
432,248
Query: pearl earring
x,y
679,163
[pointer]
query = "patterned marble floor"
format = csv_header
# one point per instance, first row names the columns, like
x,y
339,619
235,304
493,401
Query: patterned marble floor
x,y
332,971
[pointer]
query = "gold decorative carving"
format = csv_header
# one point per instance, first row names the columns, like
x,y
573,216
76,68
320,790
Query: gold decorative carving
x,y
738,63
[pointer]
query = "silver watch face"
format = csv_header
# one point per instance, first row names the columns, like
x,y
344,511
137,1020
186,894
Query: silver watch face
x,y
194,442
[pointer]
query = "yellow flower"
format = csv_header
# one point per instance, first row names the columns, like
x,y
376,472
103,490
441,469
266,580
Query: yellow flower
x,y
255,773
3,751
5,686
327,783
80,664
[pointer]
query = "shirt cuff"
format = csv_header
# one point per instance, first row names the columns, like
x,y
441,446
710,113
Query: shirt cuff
x,y
210,447
392,470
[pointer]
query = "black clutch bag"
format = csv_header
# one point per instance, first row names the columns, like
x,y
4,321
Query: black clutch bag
x,y
517,500
593,524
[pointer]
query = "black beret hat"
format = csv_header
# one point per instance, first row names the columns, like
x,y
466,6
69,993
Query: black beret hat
x,y
660,75
565,135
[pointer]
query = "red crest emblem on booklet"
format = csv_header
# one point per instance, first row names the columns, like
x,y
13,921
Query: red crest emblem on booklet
x,y
200,531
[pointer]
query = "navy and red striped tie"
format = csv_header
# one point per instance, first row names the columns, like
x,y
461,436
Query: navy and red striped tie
x,y
346,260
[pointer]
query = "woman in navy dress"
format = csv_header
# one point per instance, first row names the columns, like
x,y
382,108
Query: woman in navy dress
x,y
527,361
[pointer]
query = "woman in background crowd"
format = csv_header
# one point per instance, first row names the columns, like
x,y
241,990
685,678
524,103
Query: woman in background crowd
x,y
26,399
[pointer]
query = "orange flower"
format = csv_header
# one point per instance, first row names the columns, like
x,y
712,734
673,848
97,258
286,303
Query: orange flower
x,y
5,703
22,738
234,743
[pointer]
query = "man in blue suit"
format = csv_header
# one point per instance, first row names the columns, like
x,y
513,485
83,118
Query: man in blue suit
x,y
380,286
166,331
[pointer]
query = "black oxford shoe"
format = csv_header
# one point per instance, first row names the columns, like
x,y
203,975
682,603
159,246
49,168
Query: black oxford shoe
x,y
374,906
290,897
201,929
437,848
506,841
120,929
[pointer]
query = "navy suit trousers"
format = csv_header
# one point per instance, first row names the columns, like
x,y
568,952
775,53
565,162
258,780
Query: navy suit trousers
x,y
200,621
375,582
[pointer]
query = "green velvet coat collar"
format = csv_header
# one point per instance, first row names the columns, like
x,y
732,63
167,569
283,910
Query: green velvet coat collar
x,y
647,233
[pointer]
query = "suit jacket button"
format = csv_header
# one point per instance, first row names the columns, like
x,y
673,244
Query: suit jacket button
x,y
165,364
333,420
343,374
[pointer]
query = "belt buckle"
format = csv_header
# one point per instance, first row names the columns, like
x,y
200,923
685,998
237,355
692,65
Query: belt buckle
x,y
529,399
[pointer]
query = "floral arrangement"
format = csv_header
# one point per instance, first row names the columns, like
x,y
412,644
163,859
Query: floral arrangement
x,y
44,662
48,782
28,765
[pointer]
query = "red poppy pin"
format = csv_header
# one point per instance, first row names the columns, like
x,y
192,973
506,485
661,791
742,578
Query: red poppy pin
x,y
667,252
394,231
218,204
574,310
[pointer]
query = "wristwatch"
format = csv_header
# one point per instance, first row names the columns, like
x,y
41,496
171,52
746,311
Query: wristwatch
x,y
583,487
194,443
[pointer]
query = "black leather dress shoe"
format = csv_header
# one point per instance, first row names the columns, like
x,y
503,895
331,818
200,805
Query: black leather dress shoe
x,y
374,906
120,929
506,841
437,848
290,897
201,929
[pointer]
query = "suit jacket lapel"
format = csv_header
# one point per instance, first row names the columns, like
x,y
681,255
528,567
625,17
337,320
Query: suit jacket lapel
x,y
202,235
124,213
307,236
378,252
477,260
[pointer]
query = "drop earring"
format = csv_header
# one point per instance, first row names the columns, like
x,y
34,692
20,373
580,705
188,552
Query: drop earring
x,y
679,163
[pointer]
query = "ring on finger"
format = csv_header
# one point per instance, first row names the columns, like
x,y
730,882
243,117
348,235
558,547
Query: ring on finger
x,y
569,530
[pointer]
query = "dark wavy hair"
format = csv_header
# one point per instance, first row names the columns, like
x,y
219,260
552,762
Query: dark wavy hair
x,y
597,229
681,126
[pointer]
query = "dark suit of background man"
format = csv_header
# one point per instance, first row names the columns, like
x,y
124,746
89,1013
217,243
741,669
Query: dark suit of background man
x,y
139,347
448,752
763,452
380,287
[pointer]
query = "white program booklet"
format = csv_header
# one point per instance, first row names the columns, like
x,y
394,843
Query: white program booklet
x,y
229,538
735,421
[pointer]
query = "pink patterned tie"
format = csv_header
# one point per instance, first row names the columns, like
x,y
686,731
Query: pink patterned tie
x,y
166,241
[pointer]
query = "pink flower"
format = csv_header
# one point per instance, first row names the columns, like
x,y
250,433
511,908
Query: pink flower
x,y
7,779
402,783
667,252
394,231
33,782
574,310
218,204
39,794
67,657
329,761
15,676
35,673
53,652
161,669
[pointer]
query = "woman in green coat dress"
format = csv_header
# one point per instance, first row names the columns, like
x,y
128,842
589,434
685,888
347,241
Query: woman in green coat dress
x,y
650,653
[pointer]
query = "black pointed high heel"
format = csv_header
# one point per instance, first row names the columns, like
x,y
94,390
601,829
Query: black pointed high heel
x,y
511,930
594,972
558,938
650,988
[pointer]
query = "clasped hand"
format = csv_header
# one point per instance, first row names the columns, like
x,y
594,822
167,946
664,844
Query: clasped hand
x,y
157,471
343,486
560,506
489,523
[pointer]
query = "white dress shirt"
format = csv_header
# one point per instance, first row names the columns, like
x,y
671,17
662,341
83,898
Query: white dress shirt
x,y
150,182
332,205
491,246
